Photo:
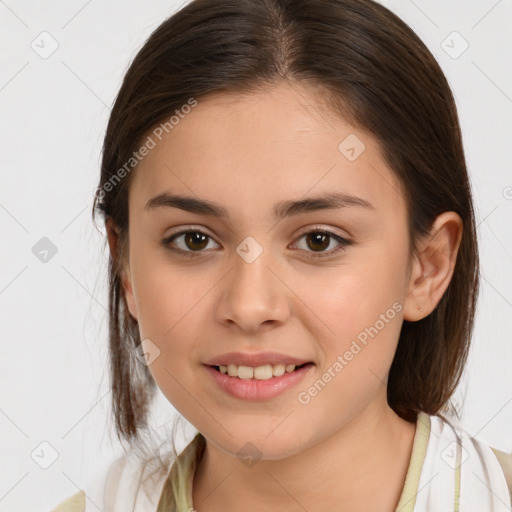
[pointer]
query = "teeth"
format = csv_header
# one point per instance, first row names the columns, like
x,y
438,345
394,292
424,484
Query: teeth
x,y
259,372
279,369
262,372
245,372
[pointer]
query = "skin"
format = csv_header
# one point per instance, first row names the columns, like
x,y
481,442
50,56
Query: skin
x,y
248,153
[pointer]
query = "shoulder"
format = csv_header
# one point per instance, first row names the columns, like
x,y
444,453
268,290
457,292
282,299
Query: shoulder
x,y
505,461
75,503
480,469
132,481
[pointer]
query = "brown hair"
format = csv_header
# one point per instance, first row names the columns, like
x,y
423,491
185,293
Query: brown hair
x,y
370,68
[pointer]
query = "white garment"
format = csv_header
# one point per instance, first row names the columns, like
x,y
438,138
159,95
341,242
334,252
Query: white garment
x,y
128,484
483,487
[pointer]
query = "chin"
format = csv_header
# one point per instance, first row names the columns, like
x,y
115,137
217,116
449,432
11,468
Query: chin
x,y
255,446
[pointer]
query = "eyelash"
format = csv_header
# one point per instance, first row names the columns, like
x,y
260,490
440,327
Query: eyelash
x,y
194,254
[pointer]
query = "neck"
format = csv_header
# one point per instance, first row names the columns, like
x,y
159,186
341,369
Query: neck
x,y
360,467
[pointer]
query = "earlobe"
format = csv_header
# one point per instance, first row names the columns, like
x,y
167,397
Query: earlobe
x,y
433,266
113,241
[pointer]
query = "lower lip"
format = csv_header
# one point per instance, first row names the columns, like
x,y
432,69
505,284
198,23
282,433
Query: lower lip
x,y
255,389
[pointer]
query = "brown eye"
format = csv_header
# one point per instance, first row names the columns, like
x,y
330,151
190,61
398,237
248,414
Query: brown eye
x,y
195,240
317,241
188,242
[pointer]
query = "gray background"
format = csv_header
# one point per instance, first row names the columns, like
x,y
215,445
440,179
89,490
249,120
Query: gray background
x,y
53,313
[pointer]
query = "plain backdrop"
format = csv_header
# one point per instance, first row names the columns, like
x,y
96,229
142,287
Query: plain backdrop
x,y
61,67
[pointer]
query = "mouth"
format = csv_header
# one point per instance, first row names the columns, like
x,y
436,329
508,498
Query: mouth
x,y
264,372
256,383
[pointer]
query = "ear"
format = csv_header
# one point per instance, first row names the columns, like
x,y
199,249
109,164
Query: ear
x,y
432,266
113,241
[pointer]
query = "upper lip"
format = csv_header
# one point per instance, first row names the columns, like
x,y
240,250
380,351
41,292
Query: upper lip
x,y
257,359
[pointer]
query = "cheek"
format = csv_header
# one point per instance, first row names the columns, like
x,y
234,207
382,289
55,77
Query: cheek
x,y
354,296
361,304
166,296
358,355
168,303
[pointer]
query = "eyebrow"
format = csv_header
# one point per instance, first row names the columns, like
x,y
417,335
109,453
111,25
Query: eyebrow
x,y
283,209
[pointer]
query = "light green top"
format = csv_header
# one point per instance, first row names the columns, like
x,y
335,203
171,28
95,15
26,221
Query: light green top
x,y
76,503
419,448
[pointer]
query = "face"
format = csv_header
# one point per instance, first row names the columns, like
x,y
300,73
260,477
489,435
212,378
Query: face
x,y
319,283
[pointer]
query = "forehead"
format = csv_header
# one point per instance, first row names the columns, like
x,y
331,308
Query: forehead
x,y
254,150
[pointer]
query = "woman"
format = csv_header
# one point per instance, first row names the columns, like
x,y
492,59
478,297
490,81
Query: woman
x,y
294,264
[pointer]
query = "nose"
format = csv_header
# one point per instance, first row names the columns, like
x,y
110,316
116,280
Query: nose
x,y
253,295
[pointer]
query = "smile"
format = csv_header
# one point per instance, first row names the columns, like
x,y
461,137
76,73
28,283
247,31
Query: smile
x,y
257,382
264,372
